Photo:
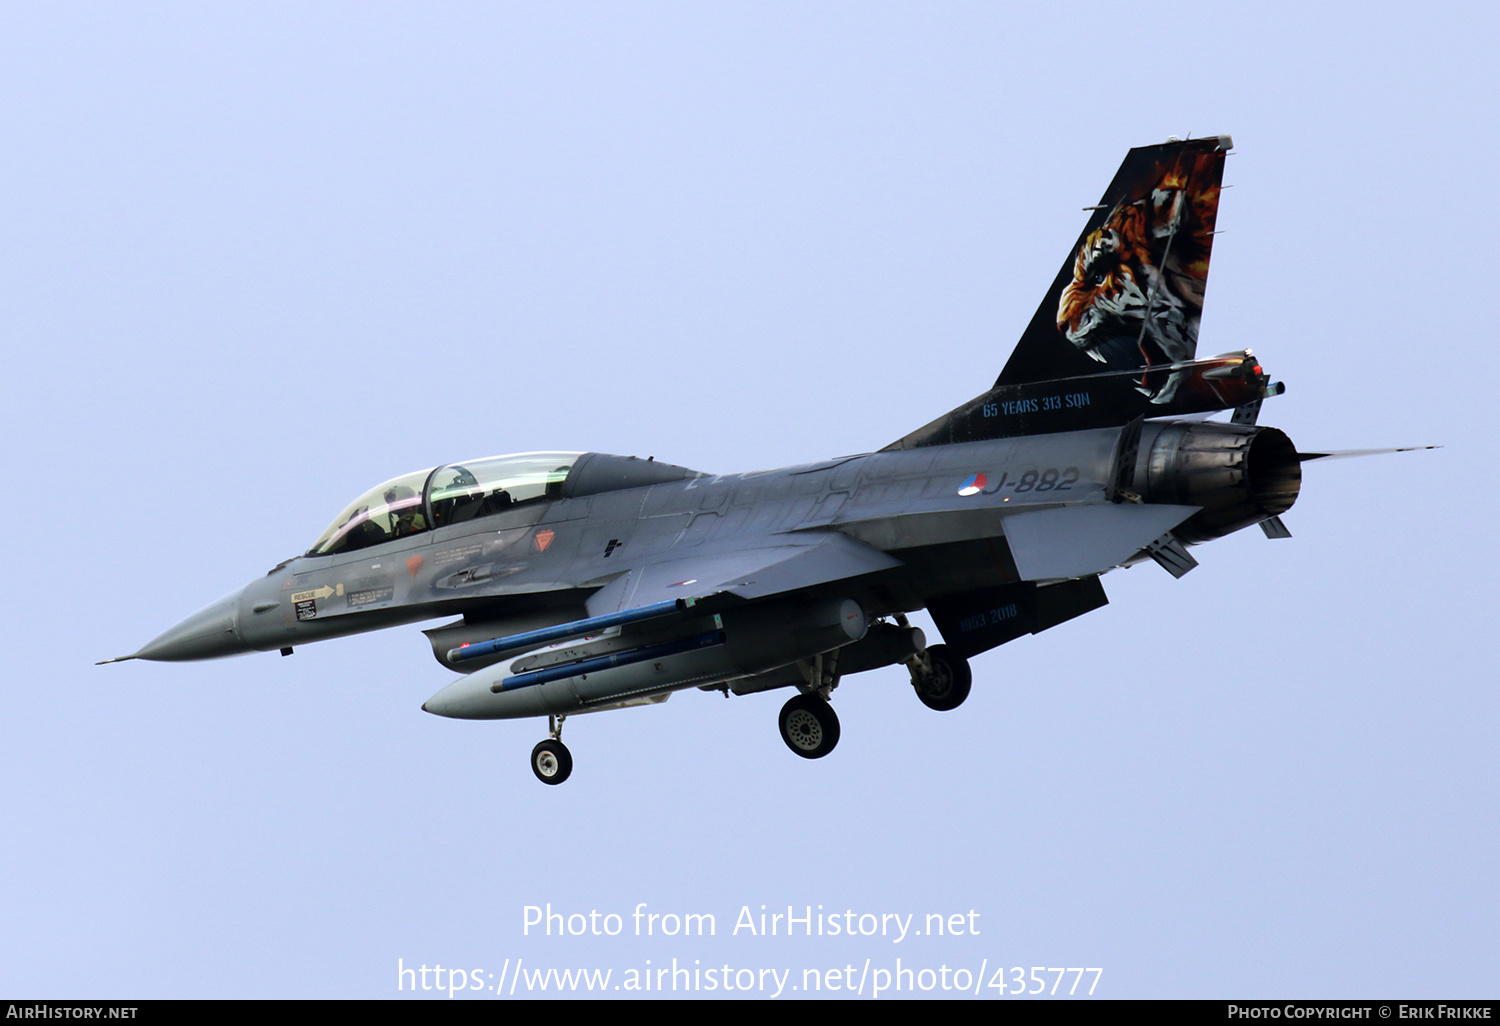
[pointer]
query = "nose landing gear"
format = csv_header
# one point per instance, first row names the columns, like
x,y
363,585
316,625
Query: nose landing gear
x,y
809,726
550,759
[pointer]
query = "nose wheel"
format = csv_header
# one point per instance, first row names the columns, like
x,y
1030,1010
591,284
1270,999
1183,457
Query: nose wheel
x,y
551,762
550,759
809,726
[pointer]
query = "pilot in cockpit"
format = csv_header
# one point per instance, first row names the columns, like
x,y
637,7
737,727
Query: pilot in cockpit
x,y
405,507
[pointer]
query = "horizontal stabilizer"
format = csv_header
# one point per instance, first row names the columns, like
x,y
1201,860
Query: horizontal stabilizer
x,y
1075,541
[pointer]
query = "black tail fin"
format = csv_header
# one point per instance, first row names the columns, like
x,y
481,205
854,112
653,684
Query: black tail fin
x,y
1130,293
1116,336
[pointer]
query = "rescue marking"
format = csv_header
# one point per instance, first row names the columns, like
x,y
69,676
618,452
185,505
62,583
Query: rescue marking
x,y
318,593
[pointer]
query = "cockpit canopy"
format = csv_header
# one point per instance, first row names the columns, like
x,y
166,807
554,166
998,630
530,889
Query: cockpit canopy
x,y
452,494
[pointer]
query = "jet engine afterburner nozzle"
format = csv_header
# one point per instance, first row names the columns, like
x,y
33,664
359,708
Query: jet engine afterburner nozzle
x,y
1238,473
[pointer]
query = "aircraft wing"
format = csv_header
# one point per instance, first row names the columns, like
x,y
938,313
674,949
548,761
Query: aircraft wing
x,y
805,561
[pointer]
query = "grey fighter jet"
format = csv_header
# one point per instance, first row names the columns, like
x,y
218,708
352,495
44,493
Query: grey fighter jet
x,y
577,582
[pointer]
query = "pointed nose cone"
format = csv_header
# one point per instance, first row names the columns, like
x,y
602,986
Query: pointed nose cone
x,y
207,634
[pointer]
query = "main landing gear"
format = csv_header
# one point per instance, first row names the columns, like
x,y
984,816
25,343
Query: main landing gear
x,y
550,759
941,678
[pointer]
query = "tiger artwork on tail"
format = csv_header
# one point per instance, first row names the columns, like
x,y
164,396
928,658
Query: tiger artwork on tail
x,y
1138,280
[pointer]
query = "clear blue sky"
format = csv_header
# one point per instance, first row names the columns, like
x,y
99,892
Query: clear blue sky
x,y
260,257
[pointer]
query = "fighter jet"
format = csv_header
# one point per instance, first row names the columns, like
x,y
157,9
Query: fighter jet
x,y
578,582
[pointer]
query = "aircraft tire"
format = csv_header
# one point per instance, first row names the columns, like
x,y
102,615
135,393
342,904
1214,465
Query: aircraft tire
x,y
948,684
809,726
551,761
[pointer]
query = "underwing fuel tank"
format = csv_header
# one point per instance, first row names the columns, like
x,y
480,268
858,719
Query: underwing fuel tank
x,y
614,667
1239,474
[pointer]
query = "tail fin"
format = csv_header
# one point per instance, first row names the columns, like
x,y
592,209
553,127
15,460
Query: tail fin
x,y
1130,294
1116,336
